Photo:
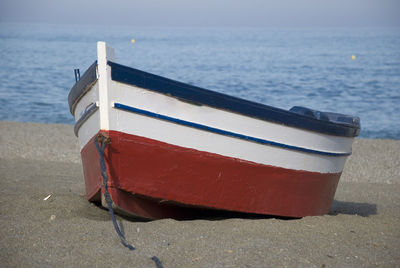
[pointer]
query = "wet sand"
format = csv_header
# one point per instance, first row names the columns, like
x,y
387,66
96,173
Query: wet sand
x,y
38,160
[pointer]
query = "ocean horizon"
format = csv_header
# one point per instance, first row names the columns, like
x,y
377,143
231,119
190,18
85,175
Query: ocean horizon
x,y
353,71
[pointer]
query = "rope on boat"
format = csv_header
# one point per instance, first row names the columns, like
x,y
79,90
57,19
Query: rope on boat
x,y
103,141
157,262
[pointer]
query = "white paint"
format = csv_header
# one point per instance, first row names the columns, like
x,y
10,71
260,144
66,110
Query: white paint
x,y
92,125
89,129
108,118
104,53
91,96
228,121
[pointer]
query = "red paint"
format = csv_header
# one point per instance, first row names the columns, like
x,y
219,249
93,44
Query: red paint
x,y
91,171
162,171
149,208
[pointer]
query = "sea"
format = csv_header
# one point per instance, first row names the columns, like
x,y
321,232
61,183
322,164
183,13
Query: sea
x,y
353,71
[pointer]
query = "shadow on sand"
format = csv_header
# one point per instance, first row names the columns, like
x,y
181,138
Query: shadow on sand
x,y
95,211
213,215
353,208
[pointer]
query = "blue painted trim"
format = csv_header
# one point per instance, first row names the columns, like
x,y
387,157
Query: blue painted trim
x,y
90,110
201,96
221,132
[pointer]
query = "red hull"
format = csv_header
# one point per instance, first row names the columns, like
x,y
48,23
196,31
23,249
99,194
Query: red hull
x,y
146,175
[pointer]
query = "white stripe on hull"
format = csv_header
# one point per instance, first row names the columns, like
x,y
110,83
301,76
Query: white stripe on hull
x,y
224,120
91,96
89,129
92,125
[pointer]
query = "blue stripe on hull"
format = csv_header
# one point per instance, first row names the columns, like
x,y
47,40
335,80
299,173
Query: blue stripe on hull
x,y
222,132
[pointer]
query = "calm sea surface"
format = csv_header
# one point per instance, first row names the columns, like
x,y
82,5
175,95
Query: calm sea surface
x,y
277,67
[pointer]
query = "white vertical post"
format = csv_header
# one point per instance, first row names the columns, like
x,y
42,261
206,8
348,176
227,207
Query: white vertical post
x,y
104,53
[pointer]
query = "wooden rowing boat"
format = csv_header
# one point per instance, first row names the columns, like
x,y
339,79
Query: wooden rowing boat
x,y
175,147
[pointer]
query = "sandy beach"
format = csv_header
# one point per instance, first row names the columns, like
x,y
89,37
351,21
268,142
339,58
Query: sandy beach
x,y
65,230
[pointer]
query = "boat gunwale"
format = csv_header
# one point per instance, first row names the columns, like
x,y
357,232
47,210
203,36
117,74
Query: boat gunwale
x,y
200,96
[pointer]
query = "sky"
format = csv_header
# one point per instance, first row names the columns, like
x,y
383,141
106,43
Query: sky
x,y
205,13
